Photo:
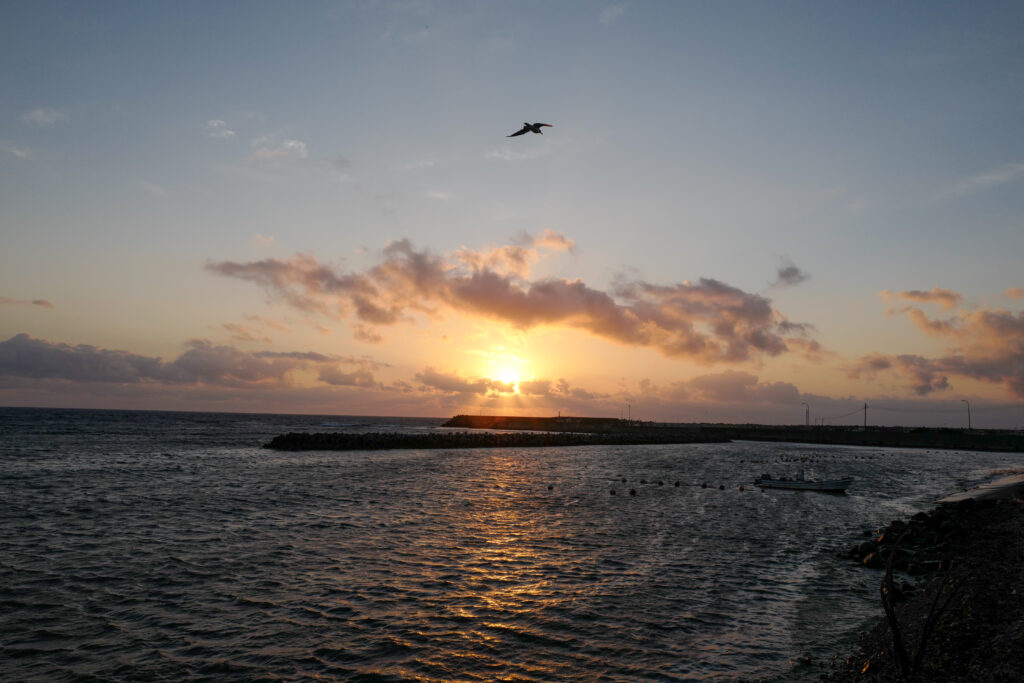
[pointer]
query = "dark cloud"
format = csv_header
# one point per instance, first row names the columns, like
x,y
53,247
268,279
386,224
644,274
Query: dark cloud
x,y
790,276
946,298
709,321
202,363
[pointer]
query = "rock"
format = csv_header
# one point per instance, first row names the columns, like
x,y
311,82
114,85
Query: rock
x,y
874,560
866,548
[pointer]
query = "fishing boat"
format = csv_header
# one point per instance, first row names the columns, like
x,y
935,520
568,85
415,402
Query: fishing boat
x,y
766,481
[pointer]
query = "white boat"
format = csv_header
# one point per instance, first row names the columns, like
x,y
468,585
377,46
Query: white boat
x,y
766,481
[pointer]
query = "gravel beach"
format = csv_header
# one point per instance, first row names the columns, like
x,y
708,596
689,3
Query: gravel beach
x,y
969,557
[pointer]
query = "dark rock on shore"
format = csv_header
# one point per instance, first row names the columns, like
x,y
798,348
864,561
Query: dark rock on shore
x,y
969,557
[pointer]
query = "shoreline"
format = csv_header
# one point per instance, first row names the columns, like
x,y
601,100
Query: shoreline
x,y
955,590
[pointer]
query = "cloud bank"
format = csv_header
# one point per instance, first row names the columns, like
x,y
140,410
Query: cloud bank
x,y
985,345
202,363
708,321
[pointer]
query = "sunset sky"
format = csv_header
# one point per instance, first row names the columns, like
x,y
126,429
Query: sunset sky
x,y
740,208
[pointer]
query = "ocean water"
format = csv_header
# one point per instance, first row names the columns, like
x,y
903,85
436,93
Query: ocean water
x,y
138,546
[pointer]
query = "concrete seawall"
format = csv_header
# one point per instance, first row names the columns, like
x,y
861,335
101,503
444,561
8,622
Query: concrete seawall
x,y
541,432
892,437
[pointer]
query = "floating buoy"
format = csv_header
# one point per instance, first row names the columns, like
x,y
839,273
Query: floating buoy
x,y
741,487
550,487
612,492
632,492
721,487
677,484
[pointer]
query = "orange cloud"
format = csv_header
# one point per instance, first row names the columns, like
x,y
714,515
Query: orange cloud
x,y
709,321
988,346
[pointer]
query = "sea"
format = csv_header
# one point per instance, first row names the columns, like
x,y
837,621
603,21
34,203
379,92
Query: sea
x,y
162,546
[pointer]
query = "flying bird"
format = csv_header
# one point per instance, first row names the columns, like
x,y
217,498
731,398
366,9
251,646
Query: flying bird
x,y
531,127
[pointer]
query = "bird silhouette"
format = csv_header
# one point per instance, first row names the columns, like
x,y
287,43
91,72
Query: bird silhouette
x,y
530,127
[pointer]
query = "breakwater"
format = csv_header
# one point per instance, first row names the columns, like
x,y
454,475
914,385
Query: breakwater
x,y
888,437
341,441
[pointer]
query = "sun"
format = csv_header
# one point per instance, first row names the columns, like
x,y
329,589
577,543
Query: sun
x,y
507,374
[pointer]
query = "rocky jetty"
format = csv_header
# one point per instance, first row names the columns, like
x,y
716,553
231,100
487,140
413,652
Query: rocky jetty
x,y
955,594
375,441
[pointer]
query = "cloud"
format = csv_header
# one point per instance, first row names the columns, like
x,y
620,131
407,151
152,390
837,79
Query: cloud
x,y
925,376
267,149
943,297
546,239
611,13
203,363
357,378
1014,293
733,386
789,276
42,303
986,345
418,165
242,333
263,241
269,322
508,154
151,189
450,383
18,151
709,321
42,117
1001,175
216,128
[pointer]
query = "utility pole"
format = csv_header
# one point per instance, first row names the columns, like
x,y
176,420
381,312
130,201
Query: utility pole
x,y
865,415
968,413
807,414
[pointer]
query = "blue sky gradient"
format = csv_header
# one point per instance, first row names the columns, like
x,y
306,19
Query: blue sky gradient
x,y
872,147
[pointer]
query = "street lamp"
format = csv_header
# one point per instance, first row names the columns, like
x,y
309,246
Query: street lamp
x,y
807,414
968,413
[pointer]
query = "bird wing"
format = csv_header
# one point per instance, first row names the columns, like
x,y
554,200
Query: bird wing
x,y
519,132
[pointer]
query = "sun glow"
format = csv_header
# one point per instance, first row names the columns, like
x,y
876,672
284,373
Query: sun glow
x,y
508,375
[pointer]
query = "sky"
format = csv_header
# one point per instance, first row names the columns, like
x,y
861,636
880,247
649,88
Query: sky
x,y
742,211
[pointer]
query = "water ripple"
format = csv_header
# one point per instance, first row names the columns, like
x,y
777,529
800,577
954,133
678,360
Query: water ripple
x,y
165,547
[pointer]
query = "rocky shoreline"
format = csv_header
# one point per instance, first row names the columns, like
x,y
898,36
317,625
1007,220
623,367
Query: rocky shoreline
x,y
955,595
